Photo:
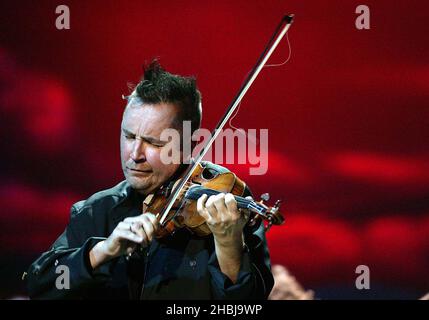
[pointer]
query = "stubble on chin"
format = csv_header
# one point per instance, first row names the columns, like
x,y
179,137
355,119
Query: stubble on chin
x,y
143,186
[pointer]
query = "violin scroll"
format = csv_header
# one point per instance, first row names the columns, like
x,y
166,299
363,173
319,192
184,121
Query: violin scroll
x,y
272,215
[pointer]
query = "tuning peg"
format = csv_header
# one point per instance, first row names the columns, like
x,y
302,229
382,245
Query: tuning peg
x,y
265,197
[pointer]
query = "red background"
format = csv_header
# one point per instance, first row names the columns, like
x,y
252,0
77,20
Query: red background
x,y
347,117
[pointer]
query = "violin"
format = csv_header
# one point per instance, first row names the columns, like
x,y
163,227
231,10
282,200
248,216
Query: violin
x,y
175,204
184,211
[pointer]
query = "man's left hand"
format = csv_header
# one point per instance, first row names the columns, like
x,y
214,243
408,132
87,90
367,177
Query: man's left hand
x,y
226,222
223,217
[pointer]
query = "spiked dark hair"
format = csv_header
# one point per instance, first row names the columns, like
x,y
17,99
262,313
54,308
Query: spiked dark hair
x,y
160,86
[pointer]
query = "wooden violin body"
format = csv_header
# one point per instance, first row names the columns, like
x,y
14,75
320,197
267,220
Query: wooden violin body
x,y
184,212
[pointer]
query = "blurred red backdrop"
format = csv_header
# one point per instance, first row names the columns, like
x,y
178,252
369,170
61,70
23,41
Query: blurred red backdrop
x,y
348,123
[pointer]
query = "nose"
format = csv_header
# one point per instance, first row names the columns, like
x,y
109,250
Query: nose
x,y
138,152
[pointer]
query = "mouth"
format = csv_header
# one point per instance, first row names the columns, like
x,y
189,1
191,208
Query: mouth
x,y
138,170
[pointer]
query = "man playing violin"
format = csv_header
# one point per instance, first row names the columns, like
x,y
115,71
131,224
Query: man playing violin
x,y
109,245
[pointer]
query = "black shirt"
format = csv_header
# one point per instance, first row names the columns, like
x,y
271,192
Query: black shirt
x,y
180,266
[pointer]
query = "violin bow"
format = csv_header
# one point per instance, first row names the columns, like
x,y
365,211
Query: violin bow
x,y
272,44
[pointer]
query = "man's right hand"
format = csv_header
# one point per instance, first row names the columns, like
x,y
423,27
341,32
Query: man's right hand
x,y
127,235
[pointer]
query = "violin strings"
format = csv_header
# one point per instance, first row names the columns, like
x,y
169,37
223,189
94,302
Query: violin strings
x,y
288,58
240,130
233,116
238,108
240,200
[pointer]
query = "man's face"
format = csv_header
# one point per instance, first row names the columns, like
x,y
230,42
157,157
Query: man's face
x,y
141,128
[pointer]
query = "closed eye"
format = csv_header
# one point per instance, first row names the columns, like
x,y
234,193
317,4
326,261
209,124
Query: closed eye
x,y
153,142
128,135
158,145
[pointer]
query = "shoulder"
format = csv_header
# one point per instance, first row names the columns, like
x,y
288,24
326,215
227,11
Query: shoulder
x,y
104,199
